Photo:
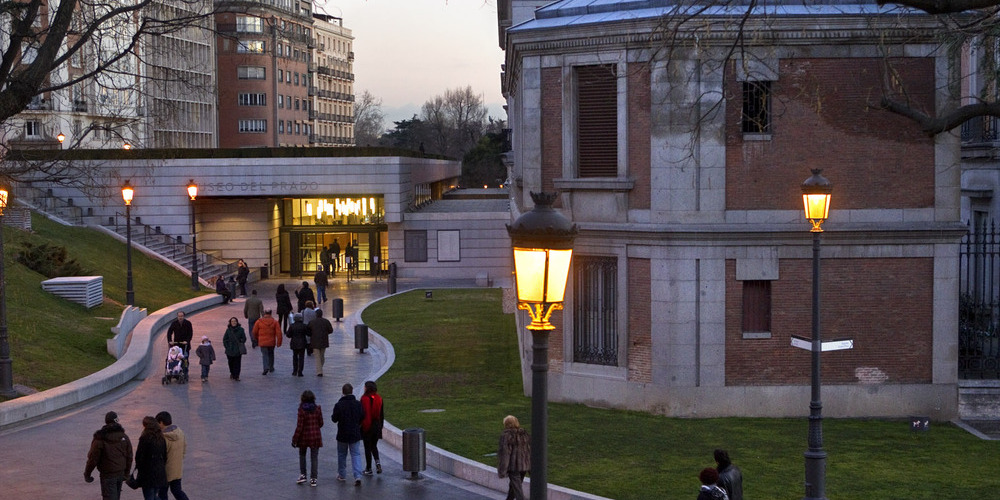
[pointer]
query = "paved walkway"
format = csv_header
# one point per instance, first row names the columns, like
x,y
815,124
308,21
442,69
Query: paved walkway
x,y
239,433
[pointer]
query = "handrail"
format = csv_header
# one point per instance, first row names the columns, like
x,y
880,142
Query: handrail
x,y
177,249
45,201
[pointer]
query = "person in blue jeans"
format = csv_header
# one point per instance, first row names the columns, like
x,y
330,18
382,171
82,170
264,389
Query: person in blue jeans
x,y
347,414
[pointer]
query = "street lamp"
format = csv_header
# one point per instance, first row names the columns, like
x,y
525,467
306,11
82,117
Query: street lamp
x,y
6,368
127,193
193,193
542,240
816,201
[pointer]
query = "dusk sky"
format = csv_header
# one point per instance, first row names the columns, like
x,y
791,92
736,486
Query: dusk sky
x,y
407,51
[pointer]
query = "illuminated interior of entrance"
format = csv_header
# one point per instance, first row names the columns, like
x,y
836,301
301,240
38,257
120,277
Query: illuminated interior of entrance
x,y
358,221
348,210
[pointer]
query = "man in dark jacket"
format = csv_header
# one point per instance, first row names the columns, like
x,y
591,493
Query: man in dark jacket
x,y
298,334
347,414
730,477
304,294
180,330
111,454
320,329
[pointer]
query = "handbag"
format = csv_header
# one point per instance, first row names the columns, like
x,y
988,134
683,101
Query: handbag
x,y
131,481
243,348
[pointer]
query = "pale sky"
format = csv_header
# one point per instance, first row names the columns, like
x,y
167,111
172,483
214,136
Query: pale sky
x,y
407,51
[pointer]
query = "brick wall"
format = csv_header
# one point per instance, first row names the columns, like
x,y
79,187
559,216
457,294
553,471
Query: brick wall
x,y
821,119
551,133
885,305
639,323
638,134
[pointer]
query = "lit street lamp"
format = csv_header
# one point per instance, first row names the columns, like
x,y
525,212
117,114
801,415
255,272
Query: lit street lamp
x,y
6,368
193,193
127,193
542,240
816,201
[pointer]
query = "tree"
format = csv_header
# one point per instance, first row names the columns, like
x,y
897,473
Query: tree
x,y
454,121
483,164
369,120
407,134
50,50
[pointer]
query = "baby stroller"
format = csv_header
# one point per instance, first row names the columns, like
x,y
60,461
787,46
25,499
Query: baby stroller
x,y
176,365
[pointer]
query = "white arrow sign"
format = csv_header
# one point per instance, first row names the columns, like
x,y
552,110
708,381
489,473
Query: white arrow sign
x,y
833,345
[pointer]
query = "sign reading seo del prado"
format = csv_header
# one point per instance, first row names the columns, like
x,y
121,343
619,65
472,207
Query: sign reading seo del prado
x,y
269,187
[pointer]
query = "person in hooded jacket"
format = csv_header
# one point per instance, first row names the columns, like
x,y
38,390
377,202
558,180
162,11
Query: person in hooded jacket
x,y
307,435
234,342
304,294
371,426
111,454
709,489
176,449
730,476
151,461
284,306
348,414
514,457
298,335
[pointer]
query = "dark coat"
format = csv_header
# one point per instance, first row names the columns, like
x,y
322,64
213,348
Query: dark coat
x,y
731,480
307,428
514,452
284,302
151,460
711,493
242,273
180,331
234,337
321,328
305,295
321,278
110,452
298,335
348,414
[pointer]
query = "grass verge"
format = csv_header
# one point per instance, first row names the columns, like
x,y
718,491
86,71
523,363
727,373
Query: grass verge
x,y
458,353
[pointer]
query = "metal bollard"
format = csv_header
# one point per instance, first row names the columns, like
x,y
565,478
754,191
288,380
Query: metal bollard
x,y
361,337
392,278
414,451
338,308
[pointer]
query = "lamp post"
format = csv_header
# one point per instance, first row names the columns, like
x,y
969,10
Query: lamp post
x,y
6,368
542,240
127,193
816,200
193,193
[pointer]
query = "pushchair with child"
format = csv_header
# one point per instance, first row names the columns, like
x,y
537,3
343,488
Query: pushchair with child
x,y
176,365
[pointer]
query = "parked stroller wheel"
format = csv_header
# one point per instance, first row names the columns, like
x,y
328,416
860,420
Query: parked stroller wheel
x,y
163,381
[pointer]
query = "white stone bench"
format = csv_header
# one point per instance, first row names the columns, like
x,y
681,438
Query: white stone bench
x,y
85,290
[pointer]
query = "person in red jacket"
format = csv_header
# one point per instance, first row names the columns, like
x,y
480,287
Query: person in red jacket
x,y
267,332
308,435
371,426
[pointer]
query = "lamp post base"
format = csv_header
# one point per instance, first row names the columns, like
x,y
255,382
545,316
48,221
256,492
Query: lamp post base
x,y
815,475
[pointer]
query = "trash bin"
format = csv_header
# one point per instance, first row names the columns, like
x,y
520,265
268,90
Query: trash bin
x,y
392,278
338,308
263,272
361,337
414,451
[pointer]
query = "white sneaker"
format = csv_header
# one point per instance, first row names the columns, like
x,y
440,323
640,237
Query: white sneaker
x,y
301,480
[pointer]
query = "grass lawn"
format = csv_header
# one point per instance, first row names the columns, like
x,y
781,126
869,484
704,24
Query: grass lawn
x,y
54,341
458,353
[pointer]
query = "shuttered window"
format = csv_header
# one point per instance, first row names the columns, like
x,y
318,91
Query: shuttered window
x,y
757,306
757,107
597,120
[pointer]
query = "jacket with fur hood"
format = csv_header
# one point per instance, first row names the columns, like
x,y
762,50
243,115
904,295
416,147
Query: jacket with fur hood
x,y
176,448
110,452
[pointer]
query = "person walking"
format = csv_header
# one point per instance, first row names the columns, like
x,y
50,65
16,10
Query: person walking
x,y
242,274
709,489
308,436
335,256
111,454
180,332
234,343
176,449
324,260
304,294
151,461
322,281
298,335
730,476
371,426
347,414
253,309
514,457
320,329
284,306
267,332
206,356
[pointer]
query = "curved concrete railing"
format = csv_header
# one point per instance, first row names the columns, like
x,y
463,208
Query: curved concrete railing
x,y
135,360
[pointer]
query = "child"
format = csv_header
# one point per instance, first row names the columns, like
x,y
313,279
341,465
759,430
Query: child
x,y
175,360
308,436
206,355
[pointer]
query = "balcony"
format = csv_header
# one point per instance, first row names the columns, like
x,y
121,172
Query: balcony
x,y
80,105
39,104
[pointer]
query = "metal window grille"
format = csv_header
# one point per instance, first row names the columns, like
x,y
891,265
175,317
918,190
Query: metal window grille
x,y
595,310
757,107
597,120
757,306
979,302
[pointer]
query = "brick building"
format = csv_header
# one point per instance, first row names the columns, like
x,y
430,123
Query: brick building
x,y
682,165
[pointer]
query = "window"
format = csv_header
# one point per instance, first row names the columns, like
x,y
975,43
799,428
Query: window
x,y
757,306
250,72
597,120
281,126
248,99
296,78
253,126
249,24
281,101
250,47
415,246
296,104
288,77
449,246
757,107
281,75
32,129
595,306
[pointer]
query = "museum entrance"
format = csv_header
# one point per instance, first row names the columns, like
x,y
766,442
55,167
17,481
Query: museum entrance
x,y
301,249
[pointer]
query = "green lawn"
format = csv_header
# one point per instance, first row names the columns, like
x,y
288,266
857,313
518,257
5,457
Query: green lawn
x,y
54,341
458,353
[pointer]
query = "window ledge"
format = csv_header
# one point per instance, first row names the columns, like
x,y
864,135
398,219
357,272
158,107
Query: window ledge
x,y
598,371
595,184
756,335
756,137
